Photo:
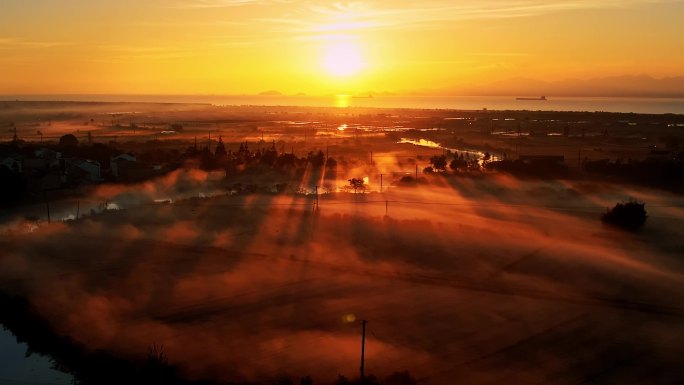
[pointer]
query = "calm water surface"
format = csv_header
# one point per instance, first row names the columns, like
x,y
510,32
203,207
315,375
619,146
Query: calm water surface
x,y
16,368
637,105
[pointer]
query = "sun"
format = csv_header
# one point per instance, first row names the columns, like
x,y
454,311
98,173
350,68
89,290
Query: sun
x,y
343,59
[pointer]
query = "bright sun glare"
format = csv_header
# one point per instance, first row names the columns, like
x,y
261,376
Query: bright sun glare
x,y
343,59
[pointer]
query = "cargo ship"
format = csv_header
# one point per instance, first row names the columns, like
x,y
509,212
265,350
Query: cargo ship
x,y
539,98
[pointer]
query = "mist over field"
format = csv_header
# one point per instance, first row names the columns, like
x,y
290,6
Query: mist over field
x,y
366,192
467,280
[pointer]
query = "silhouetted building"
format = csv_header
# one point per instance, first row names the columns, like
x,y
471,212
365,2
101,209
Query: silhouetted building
x,y
13,163
122,161
81,170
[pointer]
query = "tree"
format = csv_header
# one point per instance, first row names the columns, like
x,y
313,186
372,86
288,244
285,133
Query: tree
x,y
316,159
14,187
207,160
439,163
284,161
220,152
357,184
68,140
629,216
457,163
400,378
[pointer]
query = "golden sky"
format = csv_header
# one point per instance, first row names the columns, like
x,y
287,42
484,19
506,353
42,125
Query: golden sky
x,y
316,47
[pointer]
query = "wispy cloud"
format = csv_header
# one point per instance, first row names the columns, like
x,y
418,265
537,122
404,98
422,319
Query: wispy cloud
x,y
130,53
200,4
12,42
299,16
314,20
498,54
409,12
430,9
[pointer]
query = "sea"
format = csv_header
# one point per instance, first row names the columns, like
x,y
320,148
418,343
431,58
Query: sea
x,y
585,104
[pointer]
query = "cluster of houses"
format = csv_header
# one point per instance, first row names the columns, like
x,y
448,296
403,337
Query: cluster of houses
x,y
48,169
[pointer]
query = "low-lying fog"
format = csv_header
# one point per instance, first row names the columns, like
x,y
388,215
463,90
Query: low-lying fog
x,y
467,280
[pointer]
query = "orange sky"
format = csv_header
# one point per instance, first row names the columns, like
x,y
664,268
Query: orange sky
x,y
315,47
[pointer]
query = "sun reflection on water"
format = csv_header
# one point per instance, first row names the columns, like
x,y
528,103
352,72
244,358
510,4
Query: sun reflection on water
x,y
342,101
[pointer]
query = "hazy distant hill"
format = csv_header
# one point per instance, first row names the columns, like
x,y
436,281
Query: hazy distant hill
x,y
271,93
628,85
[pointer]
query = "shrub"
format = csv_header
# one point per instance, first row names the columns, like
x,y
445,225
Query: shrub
x,y
629,216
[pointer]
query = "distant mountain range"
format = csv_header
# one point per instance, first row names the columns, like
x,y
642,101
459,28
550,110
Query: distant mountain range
x,y
616,86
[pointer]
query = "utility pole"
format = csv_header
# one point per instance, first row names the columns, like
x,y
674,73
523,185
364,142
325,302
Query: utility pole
x,y
579,158
380,182
363,349
416,173
47,205
316,201
386,208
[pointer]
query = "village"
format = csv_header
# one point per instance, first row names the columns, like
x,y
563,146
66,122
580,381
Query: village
x,y
401,145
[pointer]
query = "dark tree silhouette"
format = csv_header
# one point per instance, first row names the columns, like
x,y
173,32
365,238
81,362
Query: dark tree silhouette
x,y
14,186
68,140
316,159
269,156
407,181
400,378
220,149
629,216
439,163
284,161
368,380
457,163
357,184
285,381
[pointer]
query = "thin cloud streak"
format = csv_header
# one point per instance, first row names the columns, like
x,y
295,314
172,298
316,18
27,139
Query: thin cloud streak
x,y
11,42
405,12
210,4
316,17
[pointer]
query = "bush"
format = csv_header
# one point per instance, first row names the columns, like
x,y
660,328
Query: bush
x,y
400,378
68,140
629,216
